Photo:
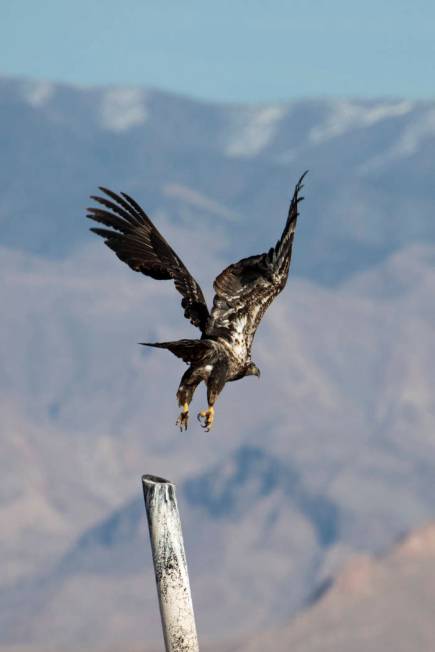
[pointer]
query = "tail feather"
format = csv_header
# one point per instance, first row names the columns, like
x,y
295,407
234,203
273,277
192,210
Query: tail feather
x,y
191,351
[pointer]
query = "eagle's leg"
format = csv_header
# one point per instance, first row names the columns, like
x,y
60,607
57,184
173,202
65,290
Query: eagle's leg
x,y
215,385
188,384
183,419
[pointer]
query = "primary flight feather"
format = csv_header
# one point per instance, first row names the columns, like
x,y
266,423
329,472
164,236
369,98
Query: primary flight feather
x,y
243,292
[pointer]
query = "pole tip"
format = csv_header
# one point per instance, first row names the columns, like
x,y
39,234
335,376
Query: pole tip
x,y
154,479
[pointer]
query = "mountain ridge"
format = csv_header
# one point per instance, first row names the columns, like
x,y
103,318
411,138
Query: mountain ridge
x,y
245,159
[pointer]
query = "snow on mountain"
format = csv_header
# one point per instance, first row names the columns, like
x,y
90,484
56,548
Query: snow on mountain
x,y
122,109
253,129
345,116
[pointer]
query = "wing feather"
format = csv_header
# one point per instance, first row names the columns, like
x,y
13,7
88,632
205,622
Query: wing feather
x,y
245,289
137,242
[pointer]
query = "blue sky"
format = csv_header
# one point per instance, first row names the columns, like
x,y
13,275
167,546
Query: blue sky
x,y
234,50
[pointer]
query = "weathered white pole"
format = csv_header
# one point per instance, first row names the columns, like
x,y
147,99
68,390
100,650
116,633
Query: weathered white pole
x,y
170,565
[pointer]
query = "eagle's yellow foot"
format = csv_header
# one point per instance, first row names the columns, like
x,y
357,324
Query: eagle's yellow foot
x,y
208,417
183,419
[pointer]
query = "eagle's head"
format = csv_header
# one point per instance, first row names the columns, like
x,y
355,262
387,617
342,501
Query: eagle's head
x,y
252,370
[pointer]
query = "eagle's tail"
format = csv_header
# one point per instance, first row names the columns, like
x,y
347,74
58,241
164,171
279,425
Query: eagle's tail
x,y
190,351
158,345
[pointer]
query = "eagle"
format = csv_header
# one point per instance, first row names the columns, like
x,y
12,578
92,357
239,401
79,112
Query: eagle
x,y
243,292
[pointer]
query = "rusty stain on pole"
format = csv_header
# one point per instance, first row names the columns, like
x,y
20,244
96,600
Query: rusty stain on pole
x,y
170,565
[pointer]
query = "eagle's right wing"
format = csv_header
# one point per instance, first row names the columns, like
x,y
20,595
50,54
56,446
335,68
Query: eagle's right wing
x,y
137,242
245,289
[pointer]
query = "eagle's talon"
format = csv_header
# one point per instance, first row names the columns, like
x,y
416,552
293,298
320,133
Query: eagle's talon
x,y
208,417
183,419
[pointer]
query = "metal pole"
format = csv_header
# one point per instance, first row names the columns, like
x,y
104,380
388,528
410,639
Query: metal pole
x,y
170,567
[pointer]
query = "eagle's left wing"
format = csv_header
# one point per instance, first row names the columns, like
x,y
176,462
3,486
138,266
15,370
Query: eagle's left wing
x,y
137,242
245,289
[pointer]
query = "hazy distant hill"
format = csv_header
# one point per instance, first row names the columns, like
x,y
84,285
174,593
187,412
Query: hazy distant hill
x,y
378,604
331,453
252,512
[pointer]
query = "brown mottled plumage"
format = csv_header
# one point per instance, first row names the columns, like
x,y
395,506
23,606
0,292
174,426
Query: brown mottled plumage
x,y
244,291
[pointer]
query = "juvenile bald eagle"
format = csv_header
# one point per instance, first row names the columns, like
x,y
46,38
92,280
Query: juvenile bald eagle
x,y
244,290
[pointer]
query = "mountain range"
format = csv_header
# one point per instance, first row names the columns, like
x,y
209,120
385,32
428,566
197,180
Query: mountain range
x,y
330,455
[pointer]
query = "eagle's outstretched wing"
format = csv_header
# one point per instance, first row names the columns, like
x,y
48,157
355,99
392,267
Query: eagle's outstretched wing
x,y
245,289
137,242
